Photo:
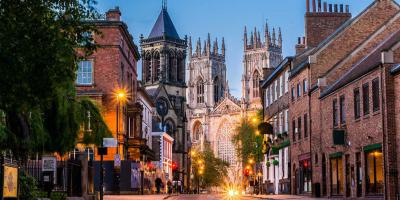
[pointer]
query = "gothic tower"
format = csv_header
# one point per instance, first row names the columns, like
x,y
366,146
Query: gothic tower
x,y
163,77
207,74
259,59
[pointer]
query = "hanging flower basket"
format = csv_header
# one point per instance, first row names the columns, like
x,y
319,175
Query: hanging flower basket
x,y
275,163
268,163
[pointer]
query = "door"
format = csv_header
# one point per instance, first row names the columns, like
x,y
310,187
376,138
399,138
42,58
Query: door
x,y
358,174
323,175
348,176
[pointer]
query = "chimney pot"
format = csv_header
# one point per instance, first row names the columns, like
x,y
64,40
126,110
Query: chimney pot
x,y
314,7
299,40
341,8
325,7
330,7
304,40
336,8
319,6
308,5
347,9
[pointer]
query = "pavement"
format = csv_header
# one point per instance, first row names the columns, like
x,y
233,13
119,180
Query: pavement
x,y
203,197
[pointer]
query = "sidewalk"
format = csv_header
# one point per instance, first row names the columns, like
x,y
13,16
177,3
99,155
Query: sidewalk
x,y
136,197
281,196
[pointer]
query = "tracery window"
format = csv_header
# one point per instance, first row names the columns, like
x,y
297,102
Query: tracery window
x,y
256,85
226,149
216,90
200,91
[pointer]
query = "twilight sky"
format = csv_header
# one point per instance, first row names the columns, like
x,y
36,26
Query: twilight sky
x,y
223,18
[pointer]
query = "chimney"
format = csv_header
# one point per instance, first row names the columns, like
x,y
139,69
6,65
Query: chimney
x,y
319,25
113,14
314,7
300,46
319,6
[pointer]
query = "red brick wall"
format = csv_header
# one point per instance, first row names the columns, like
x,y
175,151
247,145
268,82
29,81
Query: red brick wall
x,y
366,130
298,108
113,51
354,35
319,26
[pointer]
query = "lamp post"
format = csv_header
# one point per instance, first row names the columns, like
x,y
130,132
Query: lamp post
x,y
120,97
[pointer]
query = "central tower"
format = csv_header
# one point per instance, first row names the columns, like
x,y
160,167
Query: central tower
x,y
260,58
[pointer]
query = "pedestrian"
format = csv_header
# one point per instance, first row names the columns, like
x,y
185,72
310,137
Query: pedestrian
x,y
158,184
169,185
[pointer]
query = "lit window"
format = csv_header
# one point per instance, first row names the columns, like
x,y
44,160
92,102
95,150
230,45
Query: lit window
x,y
85,73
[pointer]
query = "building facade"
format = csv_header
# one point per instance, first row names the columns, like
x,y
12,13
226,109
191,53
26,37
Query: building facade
x,y
342,102
113,66
276,112
163,76
213,112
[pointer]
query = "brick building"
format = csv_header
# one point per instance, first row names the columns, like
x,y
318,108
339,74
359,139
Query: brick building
x,y
276,112
110,70
342,93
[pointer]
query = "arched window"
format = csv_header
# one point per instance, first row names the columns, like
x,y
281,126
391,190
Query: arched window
x,y
226,149
216,90
170,128
180,69
197,132
256,85
200,91
147,67
157,67
172,65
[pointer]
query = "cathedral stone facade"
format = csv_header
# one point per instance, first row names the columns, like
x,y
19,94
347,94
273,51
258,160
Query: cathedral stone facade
x,y
213,112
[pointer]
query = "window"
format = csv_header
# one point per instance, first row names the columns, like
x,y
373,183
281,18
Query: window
x,y
298,90
374,172
200,91
282,85
375,94
292,93
286,81
256,85
342,110
286,120
335,113
267,97
85,73
365,90
337,176
276,89
216,90
305,126
305,86
280,122
299,127
357,103
275,124
294,130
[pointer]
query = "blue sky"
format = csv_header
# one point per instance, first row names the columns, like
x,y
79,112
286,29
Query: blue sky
x,y
223,18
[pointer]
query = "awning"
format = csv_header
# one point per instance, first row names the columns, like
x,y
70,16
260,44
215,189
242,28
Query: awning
x,y
336,155
372,147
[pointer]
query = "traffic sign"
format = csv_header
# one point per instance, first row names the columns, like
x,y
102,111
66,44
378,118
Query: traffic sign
x,y
109,142
117,160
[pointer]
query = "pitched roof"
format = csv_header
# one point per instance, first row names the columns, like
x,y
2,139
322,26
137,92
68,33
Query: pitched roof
x,y
277,70
365,65
163,26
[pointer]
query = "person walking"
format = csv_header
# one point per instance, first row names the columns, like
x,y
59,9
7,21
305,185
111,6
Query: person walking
x,y
158,184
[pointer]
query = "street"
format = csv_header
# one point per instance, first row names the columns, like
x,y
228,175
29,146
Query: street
x,y
201,197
